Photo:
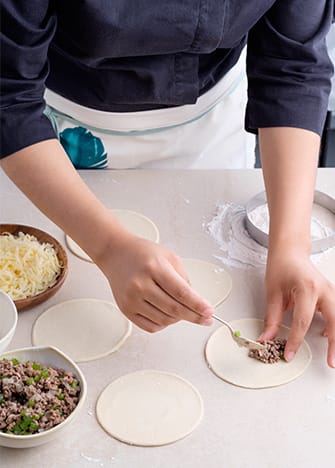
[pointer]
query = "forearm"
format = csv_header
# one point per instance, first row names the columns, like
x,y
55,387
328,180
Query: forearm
x,y
44,173
289,160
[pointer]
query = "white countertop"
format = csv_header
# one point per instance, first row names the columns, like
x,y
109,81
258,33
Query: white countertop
x,y
291,426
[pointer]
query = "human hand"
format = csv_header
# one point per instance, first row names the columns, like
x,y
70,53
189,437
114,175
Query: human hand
x,y
150,286
293,283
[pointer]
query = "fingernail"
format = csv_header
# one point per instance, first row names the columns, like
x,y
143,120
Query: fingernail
x,y
332,362
208,312
289,356
207,322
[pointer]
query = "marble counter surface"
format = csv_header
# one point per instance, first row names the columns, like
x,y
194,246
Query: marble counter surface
x,y
291,426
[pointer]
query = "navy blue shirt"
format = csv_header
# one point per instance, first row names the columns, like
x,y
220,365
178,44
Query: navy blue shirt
x,y
135,55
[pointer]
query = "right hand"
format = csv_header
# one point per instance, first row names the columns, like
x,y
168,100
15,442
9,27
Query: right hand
x,y
151,287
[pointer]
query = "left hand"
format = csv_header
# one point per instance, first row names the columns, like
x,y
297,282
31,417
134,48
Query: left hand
x,y
294,283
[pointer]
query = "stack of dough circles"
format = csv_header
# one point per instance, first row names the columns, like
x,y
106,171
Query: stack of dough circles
x,y
231,363
136,223
149,408
209,280
84,329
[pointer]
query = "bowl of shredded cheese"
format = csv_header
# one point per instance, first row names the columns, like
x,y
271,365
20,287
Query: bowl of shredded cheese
x,y
33,265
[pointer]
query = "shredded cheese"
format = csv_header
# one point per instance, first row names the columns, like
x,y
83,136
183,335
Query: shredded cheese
x,y
27,267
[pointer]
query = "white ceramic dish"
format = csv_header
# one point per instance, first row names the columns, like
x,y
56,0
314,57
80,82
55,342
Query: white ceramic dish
x,y
8,320
52,357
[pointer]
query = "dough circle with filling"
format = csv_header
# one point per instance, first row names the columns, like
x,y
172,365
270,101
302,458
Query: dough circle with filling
x,y
149,408
231,363
136,223
84,329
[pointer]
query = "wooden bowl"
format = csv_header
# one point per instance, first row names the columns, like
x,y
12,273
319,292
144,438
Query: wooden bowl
x,y
41,236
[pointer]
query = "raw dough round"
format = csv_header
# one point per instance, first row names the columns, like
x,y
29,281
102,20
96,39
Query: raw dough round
x,y
149,408
136,223
209,280
84,329
231,363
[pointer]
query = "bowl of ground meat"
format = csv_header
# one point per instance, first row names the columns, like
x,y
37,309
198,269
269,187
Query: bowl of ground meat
x,y
41,393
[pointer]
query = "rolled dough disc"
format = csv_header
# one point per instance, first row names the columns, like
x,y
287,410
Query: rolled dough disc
x,y
84,329
149,408
136,223
209,280
231,363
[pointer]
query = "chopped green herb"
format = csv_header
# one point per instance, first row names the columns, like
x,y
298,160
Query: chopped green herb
x,y
29,381
15,361
237,333
60,396
36,366
74,383
27,425
33,426
31,404
16,429
45,374
37,378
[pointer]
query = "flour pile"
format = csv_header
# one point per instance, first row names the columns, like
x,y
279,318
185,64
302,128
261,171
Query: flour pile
x,y
322,222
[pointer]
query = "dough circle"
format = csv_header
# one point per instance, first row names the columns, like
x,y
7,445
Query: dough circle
x,y
136,223
209,280
84,329
149,408
231,363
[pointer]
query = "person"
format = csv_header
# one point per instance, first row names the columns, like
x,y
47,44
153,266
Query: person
x,y
331,50
152,84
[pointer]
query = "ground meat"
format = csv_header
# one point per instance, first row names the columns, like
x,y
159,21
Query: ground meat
x,y
33,397
273,352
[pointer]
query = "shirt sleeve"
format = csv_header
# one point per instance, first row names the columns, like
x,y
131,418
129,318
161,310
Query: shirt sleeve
x,y
26,31
289,71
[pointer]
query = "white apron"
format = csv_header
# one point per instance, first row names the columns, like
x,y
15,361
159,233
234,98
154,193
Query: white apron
x,y
206,135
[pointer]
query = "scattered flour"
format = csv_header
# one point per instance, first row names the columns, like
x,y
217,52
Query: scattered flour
x,y
92,459
239,249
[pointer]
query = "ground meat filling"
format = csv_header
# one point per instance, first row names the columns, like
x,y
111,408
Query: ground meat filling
x,y
273,352
33,397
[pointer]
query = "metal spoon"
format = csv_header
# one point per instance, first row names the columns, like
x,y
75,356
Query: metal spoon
x,y
240,340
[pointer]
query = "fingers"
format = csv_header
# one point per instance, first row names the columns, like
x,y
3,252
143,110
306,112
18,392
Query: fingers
x,y
181,292
303,312
153,320
169,306
325,332
328,311
146,324
331,350
273,318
